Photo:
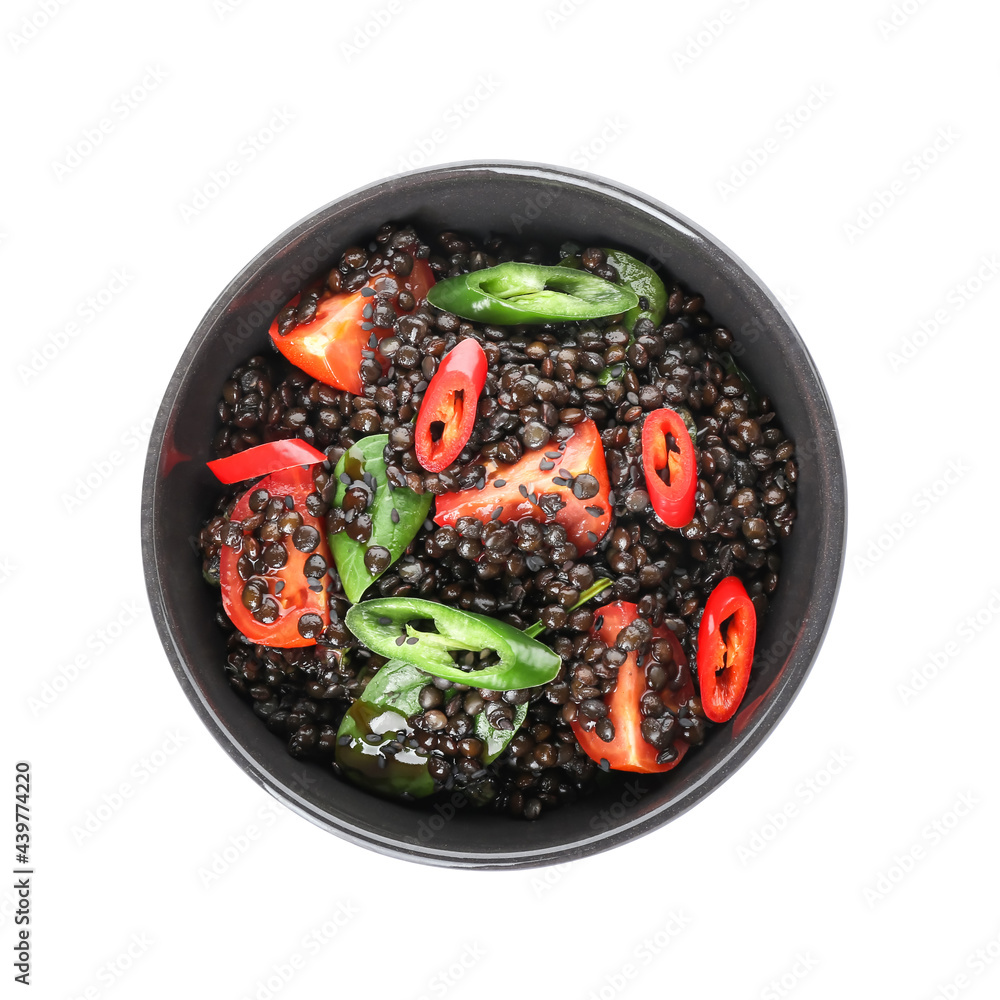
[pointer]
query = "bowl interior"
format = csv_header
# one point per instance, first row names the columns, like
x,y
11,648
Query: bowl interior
x,y
533,203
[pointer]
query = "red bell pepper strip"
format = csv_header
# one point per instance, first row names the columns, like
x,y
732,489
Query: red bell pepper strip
x,y
294,597
628,751
726,639
264,459
512,492
669,464
329,346
448,411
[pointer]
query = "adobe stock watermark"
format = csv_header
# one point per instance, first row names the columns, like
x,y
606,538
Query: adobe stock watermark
x,y
939,659
781,817
608,819
652,946
977,962
138,776
110,973
782,985
238,845
932,836
955,300
93,647
451,120
318,256
561,12
223,8
87,311
785,128
226,856
886,196
588,153
122,107
898,16
312,944
246,152
708,33
583,156
447,978
103,468
544,880
368,30
32,25
922,502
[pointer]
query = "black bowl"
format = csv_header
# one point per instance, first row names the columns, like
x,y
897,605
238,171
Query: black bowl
x,y
550,204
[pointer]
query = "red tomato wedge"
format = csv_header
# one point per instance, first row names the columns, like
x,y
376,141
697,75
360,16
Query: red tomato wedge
x,y
514,489
726,639
264,459
293,598
329,346
448,411
628,751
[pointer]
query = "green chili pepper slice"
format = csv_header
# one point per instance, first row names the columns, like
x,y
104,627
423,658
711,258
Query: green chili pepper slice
x,y
514,293
391,626
396,514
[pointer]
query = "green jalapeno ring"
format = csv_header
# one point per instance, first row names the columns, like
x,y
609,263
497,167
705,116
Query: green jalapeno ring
x,y
513,293
387,626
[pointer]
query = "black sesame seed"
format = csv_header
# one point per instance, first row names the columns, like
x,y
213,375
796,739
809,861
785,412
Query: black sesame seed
x,y
346,479
412,640
394,516
523,490
367,292
499,483
544,466
382,620
368,326
496,513
400,639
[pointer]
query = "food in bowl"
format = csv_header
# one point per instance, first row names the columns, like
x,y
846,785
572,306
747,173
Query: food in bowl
x,y
500,518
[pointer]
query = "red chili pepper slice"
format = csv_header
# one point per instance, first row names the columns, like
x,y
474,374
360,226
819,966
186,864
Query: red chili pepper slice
x,y
264,459
294,597
511,492
670,466
726,639
628,751
448,411
329,346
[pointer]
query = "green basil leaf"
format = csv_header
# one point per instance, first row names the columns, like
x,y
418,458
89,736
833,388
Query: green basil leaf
x,y
495,741
390,698
411,509
397,685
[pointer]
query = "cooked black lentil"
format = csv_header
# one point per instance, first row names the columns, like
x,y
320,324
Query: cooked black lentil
x,y
542,381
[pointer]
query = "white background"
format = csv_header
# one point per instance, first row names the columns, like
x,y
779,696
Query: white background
x,y
883,878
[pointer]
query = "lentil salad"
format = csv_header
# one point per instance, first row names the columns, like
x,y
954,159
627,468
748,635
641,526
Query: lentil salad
x,y
587,563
